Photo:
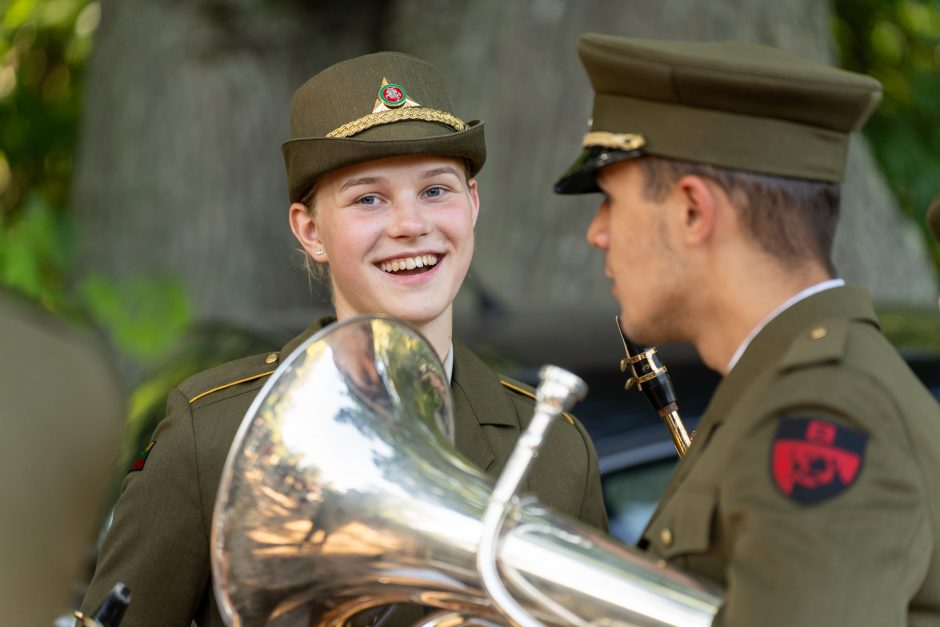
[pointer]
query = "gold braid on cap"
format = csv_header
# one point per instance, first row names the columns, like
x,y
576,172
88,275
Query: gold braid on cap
x,y
619,141
397,115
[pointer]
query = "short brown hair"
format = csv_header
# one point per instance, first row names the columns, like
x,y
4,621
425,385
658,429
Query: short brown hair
x,y
791,219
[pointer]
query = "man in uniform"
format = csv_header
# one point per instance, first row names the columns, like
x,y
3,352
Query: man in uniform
x,y
63,412
811,491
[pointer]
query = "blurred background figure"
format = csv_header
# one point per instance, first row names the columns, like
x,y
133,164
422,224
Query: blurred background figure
x,y
62,416
933,217
933,221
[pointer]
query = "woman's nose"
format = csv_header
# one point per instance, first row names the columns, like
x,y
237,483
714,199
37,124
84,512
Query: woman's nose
x,y
408,220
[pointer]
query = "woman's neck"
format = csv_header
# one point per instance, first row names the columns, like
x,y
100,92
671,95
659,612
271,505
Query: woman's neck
x,y
439,331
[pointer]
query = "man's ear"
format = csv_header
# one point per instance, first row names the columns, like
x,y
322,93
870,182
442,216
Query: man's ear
x,y
698,205
304,226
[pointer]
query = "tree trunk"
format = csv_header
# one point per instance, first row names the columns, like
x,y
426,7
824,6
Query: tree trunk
x,y
187,104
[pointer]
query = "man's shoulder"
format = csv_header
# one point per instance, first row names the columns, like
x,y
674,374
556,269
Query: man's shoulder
x,y
848,371
230,379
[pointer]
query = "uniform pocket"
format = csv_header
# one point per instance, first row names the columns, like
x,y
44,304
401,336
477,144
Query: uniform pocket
x,y
684,526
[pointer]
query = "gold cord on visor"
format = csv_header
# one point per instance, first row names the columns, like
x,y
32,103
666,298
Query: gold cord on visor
x,y
397,115
619,141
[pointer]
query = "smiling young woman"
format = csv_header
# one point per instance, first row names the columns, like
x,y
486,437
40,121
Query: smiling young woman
x,y
397,234
380,177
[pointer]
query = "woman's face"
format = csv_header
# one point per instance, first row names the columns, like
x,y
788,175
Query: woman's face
x,y
397,233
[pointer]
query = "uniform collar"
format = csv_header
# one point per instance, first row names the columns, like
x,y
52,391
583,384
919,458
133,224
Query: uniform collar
x,y
850,302
479,399
802,295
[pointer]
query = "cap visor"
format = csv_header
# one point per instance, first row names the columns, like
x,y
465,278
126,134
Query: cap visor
x,y
580,177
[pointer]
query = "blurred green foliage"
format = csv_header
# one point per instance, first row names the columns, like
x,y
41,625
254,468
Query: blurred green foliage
x,y
898,42
44,46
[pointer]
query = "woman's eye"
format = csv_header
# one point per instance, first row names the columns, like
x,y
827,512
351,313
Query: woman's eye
x,y
434,192
368,200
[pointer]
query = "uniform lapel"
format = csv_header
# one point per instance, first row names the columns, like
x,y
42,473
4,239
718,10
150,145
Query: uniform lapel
x,y
479,400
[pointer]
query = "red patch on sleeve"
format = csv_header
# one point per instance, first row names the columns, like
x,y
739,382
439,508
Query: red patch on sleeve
x,y
813,459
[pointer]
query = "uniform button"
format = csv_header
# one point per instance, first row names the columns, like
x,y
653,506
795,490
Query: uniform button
x,y
818,333
271,358
665,536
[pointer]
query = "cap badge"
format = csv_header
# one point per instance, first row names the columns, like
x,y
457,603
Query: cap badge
x,y
392,96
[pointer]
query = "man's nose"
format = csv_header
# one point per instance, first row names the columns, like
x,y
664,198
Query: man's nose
x,y
597,234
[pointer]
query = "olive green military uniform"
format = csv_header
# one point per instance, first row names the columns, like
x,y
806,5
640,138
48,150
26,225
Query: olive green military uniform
x,y
159,541
811,490
869,555
62,410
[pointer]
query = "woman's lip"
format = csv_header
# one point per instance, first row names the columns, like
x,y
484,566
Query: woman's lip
x,y
408,255
413,279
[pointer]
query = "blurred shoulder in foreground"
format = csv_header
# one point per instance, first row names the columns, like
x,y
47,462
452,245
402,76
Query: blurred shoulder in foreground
x,y
61,416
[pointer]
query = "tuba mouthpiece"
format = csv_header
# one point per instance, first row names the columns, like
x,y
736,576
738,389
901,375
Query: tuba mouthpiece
x,y
559,388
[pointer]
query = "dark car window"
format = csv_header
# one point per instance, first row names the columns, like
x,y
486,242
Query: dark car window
x,y
631,495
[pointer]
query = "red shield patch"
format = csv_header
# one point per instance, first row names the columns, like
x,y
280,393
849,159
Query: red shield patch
x,y
813,459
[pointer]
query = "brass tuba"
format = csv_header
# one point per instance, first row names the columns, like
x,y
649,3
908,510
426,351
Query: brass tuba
x,y
342,493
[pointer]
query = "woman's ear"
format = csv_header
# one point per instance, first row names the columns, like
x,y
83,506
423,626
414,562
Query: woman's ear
x,y
303,224
474,199
698,205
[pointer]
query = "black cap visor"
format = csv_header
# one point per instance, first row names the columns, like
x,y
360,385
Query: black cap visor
x,y
580,177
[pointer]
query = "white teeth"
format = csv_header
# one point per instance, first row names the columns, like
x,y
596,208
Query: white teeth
x,y
409,263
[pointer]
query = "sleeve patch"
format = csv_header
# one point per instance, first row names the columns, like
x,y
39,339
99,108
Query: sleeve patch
x,y
813,459
142,457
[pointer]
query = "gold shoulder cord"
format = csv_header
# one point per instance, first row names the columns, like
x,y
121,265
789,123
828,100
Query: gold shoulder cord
x,y
228,385
525,392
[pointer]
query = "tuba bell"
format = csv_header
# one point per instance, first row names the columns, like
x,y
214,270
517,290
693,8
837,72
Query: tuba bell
x,y
342,493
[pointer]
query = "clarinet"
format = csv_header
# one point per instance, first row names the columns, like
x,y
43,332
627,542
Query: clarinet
x,y
648,373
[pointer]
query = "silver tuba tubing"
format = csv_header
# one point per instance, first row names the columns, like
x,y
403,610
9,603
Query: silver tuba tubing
x,y
342,494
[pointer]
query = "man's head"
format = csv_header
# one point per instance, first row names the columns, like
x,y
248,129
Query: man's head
x,y
701,126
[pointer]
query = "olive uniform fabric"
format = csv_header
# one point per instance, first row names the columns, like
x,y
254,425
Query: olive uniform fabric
x,y
62,408
866,555
159,542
